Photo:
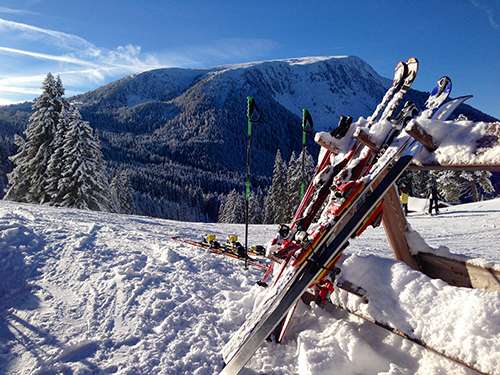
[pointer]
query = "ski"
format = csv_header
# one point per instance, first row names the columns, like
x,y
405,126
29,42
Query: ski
x,y
400,72
448,108
352,168
221,250
437,97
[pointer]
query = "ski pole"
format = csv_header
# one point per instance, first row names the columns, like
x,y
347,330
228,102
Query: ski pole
x,y
250,108
307,125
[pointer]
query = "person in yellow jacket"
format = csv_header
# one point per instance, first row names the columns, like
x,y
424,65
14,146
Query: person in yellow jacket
x,y
403,198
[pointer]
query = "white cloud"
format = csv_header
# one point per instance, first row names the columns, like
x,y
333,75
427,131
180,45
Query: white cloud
x,y
45,56
491,9
7,101
7,10
65,40
99,65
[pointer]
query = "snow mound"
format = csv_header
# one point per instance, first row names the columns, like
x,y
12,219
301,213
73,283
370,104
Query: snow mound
x,y
462,142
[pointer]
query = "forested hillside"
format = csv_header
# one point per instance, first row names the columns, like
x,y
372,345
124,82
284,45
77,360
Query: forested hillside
x,y
178,135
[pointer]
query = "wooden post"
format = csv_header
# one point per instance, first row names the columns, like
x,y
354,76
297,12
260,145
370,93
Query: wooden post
x,y
421,135
395,227
365,139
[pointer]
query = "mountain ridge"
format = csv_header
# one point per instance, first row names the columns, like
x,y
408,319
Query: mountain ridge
x,y
180,133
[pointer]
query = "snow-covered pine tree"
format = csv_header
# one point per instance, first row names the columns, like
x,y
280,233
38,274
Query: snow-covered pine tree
x,y
449,187
294,179
416,182
232,208
276,205
28,179
256,209
56,161
478,182
453,185
121,193
83,183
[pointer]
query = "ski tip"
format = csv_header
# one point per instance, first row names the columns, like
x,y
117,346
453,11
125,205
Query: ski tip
x,y
412,64
412,60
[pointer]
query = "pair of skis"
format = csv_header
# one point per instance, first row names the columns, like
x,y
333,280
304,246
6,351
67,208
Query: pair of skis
x,y
222,250
321,249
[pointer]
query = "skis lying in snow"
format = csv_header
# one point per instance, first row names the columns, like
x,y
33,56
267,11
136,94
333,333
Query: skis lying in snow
x,y
222,250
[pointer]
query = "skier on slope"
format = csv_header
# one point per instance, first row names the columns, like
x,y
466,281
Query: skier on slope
x,y
433,196
403,198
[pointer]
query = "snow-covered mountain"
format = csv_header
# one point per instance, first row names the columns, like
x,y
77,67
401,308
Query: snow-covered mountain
x,y
94,293
176,128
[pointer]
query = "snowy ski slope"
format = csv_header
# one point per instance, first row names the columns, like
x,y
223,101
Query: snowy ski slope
x,y
89,293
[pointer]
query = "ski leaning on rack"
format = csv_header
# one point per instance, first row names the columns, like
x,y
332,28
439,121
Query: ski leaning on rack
x,y
355,163
438,96
397,154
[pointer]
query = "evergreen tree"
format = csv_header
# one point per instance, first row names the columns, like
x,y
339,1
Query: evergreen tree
x,y
276,205
477,182
454,185
232,208
28,179
416,182
83,183
256,208
121,193
294,179
55,166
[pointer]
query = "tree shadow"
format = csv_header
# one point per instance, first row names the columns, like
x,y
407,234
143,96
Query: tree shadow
x,y
22,255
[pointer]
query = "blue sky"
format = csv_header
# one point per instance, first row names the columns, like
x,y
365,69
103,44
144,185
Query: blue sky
x,y
94,42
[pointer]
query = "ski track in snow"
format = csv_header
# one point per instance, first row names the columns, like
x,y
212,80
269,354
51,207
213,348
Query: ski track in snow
x,y
89,293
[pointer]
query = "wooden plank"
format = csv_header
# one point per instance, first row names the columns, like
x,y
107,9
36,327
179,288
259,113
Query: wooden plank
x,y
459,273
395,226
462,167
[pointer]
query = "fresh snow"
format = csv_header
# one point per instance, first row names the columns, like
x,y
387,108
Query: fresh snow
x,y
85,292
462,142
311,82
